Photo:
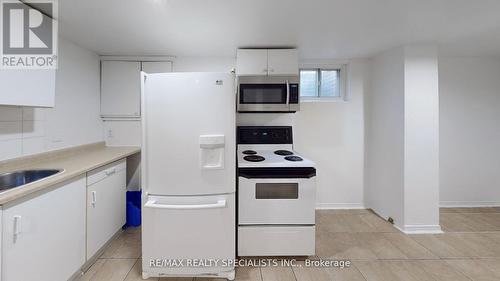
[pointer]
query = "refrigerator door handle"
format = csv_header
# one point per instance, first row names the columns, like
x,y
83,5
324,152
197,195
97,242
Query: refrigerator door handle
x,y
154,204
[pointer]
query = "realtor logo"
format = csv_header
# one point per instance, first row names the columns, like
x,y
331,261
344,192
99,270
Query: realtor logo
x,y
28,34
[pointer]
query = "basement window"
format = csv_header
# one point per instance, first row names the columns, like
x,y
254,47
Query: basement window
x,y
322,84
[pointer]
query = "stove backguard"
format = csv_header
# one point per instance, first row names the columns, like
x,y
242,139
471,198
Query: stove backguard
x,y
264,135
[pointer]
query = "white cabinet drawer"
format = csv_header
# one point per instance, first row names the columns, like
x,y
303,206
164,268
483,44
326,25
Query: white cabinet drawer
x,y
101,173
276,240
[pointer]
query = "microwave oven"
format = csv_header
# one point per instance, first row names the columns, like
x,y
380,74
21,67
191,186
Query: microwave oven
x,y
268,95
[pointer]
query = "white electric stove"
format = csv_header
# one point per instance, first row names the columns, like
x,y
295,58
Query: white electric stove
x,y
276,193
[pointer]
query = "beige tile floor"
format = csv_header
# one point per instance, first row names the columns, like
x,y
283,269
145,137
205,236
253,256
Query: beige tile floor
x,y
468,250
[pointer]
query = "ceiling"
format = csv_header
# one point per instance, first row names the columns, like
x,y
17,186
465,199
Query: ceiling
x,y
318,28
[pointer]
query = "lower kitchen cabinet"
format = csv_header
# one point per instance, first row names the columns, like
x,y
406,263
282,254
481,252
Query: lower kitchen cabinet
x,y
43,237
106,191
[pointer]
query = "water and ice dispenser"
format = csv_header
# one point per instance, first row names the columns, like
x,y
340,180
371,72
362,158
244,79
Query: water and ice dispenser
x,y
212,151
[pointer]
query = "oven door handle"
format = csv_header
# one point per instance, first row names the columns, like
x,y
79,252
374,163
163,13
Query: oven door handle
x,y
221,203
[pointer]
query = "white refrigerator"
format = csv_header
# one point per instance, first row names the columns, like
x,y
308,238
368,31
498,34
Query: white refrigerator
x,y
188,176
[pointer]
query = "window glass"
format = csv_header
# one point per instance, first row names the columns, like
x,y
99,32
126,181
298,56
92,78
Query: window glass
x,y
330,83
317,83
309,83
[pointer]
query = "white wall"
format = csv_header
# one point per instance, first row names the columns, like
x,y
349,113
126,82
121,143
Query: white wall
x,y
402,139
469,131
122,132
384,138
421,137
332,135
73,121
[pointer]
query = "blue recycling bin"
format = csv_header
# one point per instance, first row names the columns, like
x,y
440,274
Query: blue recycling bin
x,y
133,208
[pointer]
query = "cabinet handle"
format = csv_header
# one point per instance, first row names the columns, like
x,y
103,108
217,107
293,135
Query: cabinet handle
x,y
94,198
110,172
17,227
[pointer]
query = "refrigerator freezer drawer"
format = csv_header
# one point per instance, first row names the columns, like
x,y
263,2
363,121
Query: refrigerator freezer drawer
x,y
184,228
276,240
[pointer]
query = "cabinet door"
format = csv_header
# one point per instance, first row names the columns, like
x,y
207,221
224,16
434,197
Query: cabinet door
x,y
28,87
251,62
106,205
156,66
120,89
283,62
44,237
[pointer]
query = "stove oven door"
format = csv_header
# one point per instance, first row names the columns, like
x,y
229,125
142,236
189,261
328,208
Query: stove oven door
x,y
276,201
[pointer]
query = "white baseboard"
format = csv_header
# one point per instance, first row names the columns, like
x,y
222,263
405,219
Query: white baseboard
x,y
468,204
421,229
335,206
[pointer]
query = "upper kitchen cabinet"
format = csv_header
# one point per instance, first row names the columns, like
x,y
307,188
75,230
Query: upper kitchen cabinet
x,y
156,66
120,89
121,86
282,62
267,62
24,87
251,62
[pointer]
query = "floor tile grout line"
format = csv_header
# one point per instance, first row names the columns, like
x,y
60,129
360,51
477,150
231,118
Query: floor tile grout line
x,y
360,272
413,239
401,250
130,270
460,271
454,269
293,272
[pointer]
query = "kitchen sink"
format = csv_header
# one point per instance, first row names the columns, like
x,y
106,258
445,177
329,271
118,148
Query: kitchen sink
x,y
19,178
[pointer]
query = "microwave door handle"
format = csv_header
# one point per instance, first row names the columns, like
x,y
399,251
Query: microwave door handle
x,y
287,92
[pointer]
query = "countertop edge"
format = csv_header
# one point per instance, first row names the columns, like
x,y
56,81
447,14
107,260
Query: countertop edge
x,y
17,194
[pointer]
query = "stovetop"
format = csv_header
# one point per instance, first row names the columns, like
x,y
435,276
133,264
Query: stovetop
x,y
268,147
270,156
